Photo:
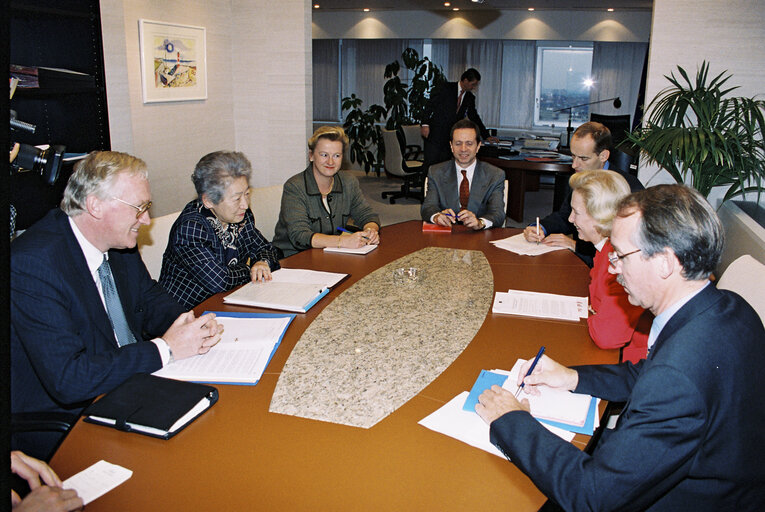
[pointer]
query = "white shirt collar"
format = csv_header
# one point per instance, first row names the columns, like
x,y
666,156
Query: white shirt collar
x,y
93,256
470,171
599,245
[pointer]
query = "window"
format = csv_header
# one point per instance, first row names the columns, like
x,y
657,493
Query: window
x,y
563,79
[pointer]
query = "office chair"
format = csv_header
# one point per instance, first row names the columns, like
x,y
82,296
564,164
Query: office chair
x,y
413,142
48,425
623,156
396,164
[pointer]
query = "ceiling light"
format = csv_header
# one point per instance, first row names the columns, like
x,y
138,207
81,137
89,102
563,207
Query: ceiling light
x,y
366,9
316,6
455,8
447,4
610,9
531,8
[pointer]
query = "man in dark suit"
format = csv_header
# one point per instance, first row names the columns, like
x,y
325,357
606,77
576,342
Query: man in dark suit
x,y
448,104
85,315
590,149
464,189
690,436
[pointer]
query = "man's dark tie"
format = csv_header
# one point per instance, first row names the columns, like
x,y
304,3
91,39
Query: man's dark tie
x,y
459,99
114,306
464,191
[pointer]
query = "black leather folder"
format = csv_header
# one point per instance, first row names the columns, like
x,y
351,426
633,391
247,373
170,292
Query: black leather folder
x,y
153,406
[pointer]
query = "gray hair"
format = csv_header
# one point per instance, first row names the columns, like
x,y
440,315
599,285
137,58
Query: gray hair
x,y
95,175
215,171
677,217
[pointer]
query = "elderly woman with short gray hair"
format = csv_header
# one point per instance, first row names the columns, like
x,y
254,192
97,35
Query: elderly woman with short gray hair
x,y
214,245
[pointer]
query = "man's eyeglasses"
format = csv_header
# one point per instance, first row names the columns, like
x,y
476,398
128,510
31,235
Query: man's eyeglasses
x,y
139,209
614,258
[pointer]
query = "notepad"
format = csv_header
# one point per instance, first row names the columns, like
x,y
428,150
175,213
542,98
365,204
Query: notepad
x,y
366,249
97,480
294,290
428,227
247,345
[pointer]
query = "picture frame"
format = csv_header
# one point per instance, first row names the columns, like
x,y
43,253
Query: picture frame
x,y
173,61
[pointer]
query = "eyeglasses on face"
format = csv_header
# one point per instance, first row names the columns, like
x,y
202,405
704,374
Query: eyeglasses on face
x,y
140,210
614,258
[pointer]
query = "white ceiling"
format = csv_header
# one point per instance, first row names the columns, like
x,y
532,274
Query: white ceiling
x,y
438,5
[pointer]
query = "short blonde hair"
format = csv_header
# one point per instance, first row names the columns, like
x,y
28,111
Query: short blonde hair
x,y
95,174
601,191
333,133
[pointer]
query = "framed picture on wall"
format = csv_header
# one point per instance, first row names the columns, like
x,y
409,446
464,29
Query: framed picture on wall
x,y
173,61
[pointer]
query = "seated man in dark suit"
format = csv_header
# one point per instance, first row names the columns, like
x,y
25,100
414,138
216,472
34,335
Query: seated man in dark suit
x,y
690,436
85,315
465,189
590,149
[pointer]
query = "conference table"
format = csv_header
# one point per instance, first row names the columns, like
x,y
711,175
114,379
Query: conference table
x,y
522,173
239,456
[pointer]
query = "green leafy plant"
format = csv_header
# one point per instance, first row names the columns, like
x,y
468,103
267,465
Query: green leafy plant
x,y
699,135
406,104
363,132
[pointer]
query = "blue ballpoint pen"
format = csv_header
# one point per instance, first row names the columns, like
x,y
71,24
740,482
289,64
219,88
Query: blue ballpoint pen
x,y
346,231
531,369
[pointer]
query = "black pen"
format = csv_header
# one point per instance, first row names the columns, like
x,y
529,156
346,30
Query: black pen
x,y
531,369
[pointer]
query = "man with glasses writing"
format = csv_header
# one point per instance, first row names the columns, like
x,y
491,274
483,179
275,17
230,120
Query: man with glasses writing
x,y
690,435
85,314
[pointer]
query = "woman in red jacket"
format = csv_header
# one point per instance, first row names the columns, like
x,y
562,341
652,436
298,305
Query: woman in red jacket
x,y
613,322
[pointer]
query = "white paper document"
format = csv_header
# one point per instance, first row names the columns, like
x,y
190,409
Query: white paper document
x,y
241,356
540,305
519,245
366,249
289,290
468,427
97,480
305,276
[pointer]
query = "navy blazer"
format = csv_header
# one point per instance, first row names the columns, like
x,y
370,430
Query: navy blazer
x,y
486,192
691,434
63,349
441,113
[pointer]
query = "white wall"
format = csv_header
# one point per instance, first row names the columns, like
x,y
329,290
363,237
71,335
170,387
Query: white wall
x,y
258,75
729,35
551,25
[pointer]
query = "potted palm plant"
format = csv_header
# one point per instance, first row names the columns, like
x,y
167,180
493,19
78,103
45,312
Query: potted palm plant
x,y
703,137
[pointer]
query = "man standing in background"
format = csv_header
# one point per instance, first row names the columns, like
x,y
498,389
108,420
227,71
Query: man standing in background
x,y
448,104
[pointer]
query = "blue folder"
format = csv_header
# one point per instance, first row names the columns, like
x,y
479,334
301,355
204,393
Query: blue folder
x,y
235,314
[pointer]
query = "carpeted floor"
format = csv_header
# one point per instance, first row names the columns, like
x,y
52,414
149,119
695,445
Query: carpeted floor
x,y
536,204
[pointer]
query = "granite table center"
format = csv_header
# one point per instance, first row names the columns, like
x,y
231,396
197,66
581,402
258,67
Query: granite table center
x,y
382,341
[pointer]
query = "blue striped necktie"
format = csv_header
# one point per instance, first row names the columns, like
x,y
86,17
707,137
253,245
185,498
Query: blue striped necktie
x,y
114,306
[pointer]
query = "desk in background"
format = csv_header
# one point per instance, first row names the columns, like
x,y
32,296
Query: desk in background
x,y
523,175
238,456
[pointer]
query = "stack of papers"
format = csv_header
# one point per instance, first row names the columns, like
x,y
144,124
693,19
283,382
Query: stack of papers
x,y
289,290
247,345
561,412
540,305
519,245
